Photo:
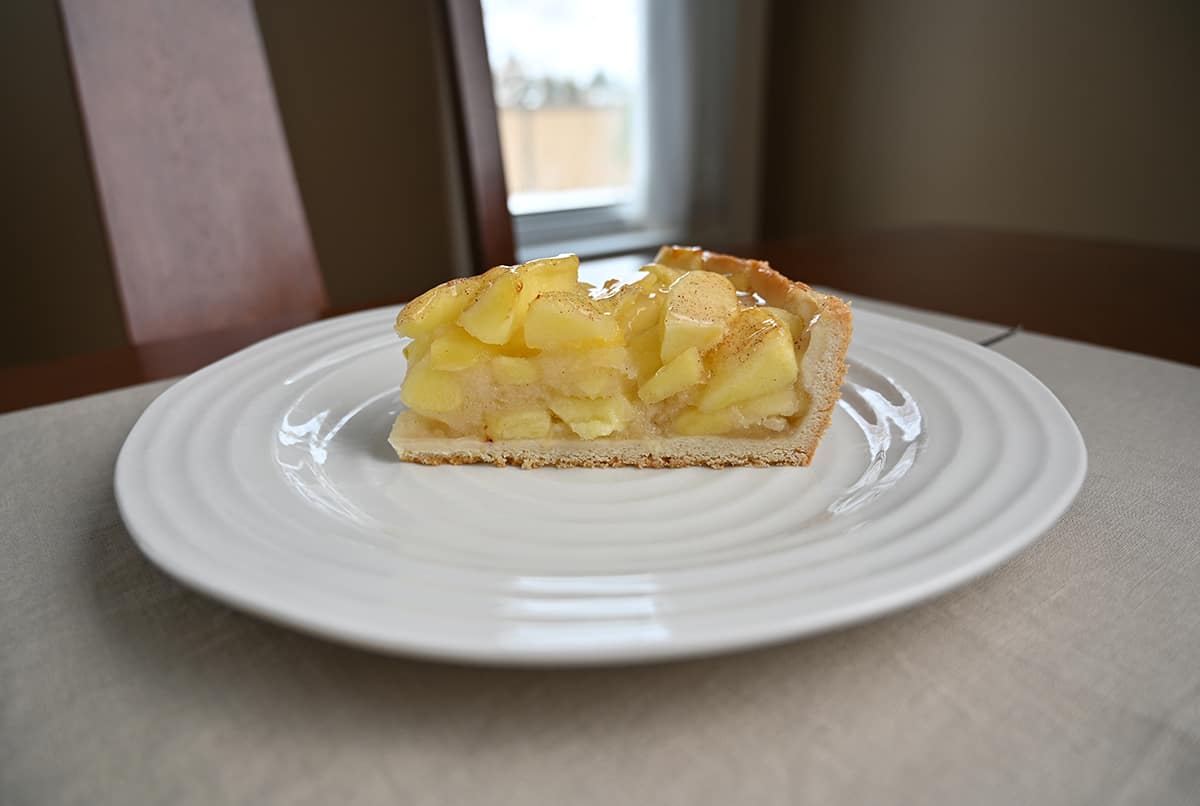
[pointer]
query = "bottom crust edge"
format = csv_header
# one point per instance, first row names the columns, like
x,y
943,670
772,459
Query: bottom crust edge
x,y
669,453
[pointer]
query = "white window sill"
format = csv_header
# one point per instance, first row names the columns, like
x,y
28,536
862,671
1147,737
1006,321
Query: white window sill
x,y
550,201
597,245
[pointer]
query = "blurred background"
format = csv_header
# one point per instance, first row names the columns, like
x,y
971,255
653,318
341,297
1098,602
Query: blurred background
x,y
628,123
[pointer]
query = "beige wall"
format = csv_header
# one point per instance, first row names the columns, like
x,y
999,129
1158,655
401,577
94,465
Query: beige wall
x,y
1079,117
362,103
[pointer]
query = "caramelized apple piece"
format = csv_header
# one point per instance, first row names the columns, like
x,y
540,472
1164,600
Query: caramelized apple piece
x,y
436,307
664,275
783,403
494,312
683,372
698,305
457,350
431,391
417,349
592,418
644,350
559,273
517,424
756,357
796,324
681,257
636,307
559,320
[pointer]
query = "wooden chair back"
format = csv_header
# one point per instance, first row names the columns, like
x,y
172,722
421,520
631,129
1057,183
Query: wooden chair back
x,y
201,206
204,219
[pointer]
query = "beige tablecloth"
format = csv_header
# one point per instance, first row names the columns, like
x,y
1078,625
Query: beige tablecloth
x,y
1071,675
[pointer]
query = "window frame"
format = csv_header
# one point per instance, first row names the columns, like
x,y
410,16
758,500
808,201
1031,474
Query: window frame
x,y
702,95
587,231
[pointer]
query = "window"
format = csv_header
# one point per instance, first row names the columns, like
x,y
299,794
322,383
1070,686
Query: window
x,y
610,144
566,73
569,98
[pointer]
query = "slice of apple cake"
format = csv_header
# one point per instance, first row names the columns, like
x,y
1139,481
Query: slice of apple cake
x,y
707,359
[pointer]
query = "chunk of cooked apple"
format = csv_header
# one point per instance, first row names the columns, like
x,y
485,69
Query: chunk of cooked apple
x,y
783,403
592,418
682,372
457,349
431,391
523,423
559,320
698,306
756,357
560,273
495,311
438,306
636,306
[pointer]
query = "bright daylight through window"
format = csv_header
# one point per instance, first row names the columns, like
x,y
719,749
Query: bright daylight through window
x,y
567,84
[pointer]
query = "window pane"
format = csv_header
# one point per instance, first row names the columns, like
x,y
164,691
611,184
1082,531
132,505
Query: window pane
x,y
566,75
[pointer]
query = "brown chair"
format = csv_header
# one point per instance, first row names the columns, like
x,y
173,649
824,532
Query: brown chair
x,y
204,218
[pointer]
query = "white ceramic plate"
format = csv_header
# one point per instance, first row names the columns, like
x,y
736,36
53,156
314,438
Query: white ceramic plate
x,y
266,481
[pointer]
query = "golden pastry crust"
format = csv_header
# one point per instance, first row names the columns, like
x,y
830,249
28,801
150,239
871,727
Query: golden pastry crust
x,y
679,452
